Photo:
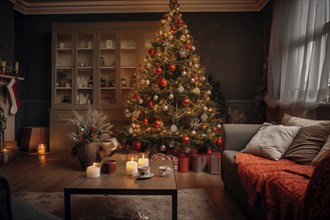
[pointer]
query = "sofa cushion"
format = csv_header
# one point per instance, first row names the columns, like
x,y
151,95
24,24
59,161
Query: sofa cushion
x,y
271,141
317,195
323,152
291,121
228,161
308,143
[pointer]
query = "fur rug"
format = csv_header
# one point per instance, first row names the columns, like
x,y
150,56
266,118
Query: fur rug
x,y
192,204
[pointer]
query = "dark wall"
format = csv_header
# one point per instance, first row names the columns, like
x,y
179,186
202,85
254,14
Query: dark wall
x,y
230,45
7,24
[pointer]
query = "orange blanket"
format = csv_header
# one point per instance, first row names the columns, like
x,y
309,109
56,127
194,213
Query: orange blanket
x,y
282,184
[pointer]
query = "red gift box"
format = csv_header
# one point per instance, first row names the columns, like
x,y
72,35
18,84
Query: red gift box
x,y
160,156
183,164
199,163
214,163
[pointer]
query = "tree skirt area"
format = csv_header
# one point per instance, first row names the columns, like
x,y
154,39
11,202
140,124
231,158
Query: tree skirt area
x,y
192,204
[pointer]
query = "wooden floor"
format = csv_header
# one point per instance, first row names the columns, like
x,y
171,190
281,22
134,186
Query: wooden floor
x,y
53,172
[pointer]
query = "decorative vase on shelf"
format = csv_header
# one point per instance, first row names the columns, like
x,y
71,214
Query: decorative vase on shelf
x,y
87,153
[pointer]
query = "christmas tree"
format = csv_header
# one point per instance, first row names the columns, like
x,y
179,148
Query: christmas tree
x,y
171,106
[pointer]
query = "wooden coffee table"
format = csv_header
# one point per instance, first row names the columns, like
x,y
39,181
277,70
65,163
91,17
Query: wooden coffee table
x,y
117,183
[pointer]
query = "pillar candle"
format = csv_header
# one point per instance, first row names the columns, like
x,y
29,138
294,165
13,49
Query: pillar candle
x,y
131,167
93,171
143,161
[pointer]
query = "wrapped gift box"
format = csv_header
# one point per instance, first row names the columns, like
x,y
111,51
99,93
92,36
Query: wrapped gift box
x,y
160,156
214,163
199,163
184,164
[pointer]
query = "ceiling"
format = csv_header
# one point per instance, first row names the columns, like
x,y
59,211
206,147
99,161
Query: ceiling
x,y
30,7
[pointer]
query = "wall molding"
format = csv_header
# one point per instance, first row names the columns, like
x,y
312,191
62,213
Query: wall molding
x,y
33,7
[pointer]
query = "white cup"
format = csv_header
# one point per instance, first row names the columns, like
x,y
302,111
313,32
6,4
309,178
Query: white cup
x,y
165,170
144,170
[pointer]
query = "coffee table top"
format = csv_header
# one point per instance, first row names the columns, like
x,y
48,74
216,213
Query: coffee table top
x,y
118,180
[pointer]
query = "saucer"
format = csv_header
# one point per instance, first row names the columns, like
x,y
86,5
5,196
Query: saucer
x,y
145,177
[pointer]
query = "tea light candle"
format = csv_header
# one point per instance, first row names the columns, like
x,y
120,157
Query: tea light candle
x,y
131,167
41,149
143,161
93,171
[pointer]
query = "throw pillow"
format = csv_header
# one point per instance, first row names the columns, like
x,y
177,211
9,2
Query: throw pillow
x,y
271,141
291,121
323,152
308,143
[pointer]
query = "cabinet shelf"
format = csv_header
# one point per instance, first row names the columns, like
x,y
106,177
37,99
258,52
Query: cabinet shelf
x,y
63,67
64,88
108,67
65,50
108,88
84,88
110,49
97,64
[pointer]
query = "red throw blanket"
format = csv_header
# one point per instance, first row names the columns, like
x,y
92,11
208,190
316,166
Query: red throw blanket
x,y
282,184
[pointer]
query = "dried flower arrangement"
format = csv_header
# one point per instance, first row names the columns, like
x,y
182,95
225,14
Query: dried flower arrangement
x,y
94,126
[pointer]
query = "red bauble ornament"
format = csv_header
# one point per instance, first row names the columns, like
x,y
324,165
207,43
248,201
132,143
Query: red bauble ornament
x,y
145,121
172,67
81,137
179,21
137,145
158,70
215,129
185,102
188,46
157,123
165,16
195,78
162,82
218,141
136,96
173,28
150,103
204,125
185,139
209,151
152,51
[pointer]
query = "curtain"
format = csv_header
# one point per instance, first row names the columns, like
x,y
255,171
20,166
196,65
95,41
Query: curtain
x,y
299,54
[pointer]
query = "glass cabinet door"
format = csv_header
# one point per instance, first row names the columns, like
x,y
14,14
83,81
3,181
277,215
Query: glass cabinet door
x,y
84,71
108,68
128,63
63,69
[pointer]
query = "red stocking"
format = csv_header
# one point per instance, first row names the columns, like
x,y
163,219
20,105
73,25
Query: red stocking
x,y
13,96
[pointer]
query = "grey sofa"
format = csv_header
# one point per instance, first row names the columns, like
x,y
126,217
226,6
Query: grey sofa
x,y
12,208
235,138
